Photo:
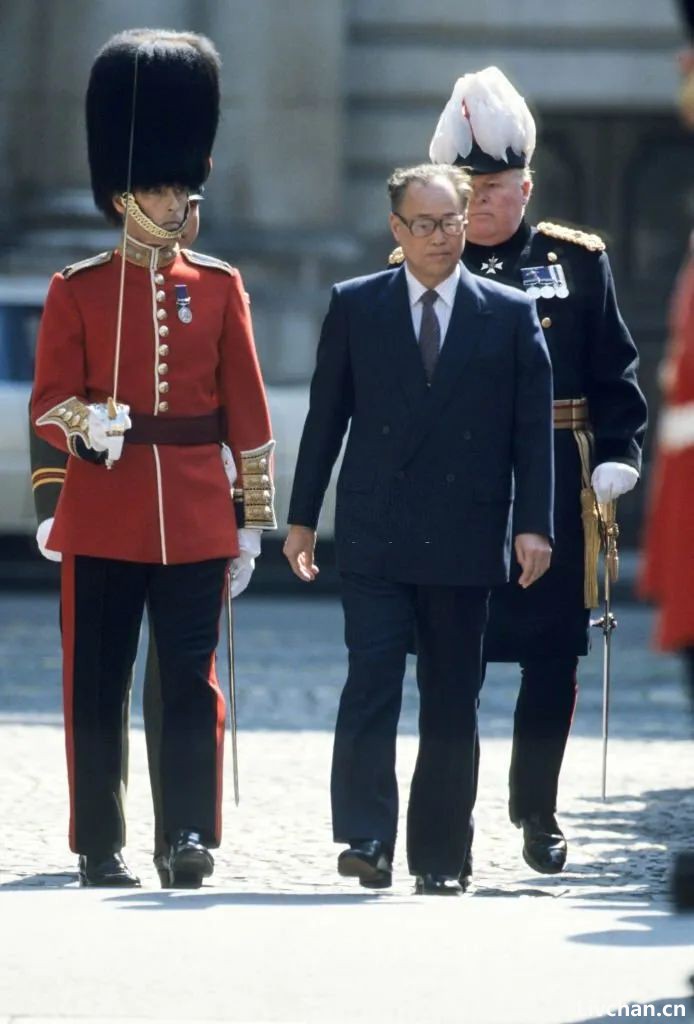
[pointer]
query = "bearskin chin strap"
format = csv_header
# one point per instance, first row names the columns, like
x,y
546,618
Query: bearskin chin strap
x,y
136,213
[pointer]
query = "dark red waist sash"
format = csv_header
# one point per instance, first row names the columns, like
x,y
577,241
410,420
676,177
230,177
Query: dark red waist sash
x,y
146,429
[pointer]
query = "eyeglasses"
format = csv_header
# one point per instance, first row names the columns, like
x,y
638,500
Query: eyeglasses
x,y
422,227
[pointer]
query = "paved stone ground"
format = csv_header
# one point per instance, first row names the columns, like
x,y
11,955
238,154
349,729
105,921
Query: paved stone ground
x,y
278,936
290,669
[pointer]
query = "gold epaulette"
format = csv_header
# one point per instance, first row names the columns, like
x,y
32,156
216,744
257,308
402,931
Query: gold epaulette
x,y
396,257
258,492
200,259
93,261
593,243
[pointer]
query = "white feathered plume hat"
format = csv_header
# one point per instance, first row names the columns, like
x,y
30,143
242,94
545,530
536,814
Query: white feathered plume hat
x,y
485,126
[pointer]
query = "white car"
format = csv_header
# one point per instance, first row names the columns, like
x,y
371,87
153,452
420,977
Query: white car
x,y
21,302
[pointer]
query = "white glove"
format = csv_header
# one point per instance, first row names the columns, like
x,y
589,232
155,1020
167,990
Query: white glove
x,y
229,465
106,434
612,479
42,536
242,567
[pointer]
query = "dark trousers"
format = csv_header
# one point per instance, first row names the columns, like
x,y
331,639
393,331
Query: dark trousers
x,y
152,712
102,606
541,725
379,619
151,700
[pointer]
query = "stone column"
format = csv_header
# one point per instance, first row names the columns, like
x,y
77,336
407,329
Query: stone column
x,y
279,150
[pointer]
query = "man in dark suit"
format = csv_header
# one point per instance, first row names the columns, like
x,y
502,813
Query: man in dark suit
x,y
445,383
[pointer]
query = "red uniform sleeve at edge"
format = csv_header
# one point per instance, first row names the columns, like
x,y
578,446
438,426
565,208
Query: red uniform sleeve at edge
x,y
60,371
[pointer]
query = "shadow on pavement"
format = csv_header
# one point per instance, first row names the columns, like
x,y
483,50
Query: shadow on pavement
x,y
641,930
47,880
169,899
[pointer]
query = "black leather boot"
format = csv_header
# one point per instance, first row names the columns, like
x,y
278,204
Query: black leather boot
x,y
189,860
107,871
544,845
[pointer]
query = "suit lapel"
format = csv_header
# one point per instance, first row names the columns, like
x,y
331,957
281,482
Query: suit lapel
x,y
402,359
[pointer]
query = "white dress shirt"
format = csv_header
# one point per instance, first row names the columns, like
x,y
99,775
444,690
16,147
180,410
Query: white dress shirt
x,y
443,307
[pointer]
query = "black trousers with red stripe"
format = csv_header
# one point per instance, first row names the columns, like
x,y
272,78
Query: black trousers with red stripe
x,y
103,602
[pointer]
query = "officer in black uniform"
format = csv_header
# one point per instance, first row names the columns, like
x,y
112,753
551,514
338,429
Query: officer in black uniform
x,y
600,419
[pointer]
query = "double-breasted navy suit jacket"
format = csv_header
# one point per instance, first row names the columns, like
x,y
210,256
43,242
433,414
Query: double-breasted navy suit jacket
x,y
430,473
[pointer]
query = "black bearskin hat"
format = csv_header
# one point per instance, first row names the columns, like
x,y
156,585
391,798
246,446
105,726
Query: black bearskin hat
x,y
176,112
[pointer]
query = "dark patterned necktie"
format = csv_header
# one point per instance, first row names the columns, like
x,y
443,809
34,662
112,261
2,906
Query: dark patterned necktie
x,y
429,334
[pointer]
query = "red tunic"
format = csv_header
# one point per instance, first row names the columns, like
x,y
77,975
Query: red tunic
x,y
159,503
668,571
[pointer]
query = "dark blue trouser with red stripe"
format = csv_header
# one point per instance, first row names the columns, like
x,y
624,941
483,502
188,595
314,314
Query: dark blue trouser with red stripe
x,y
103,602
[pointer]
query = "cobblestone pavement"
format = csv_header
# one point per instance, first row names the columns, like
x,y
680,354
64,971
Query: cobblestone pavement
x,y
290,664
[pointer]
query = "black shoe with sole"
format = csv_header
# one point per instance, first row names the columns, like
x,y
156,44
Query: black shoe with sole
x,y
106,871
544,845
189,860
436,885
370,861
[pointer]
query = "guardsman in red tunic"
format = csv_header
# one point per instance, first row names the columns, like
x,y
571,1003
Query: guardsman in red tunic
x,y
48,469
145,368
669,566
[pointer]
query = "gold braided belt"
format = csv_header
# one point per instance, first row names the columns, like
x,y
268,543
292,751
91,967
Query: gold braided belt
x,y
572,414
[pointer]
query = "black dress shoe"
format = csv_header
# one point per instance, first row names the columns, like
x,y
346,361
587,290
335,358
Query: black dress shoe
x,y
161,864
108,871
436,885
370,861
544,845
189,860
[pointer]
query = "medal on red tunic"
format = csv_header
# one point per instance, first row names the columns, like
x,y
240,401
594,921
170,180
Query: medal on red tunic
x,y
185,314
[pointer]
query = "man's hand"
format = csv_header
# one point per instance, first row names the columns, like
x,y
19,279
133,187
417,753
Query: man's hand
x,y
242,566
299,550
612,479
534,553
107,434
42,533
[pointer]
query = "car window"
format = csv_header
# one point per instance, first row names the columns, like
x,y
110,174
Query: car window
x,y
18,329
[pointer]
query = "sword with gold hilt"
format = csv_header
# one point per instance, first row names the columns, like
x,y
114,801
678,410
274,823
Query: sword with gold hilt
x,y
607,623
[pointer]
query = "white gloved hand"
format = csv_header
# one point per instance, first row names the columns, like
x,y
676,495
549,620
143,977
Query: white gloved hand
x,y
612,479
242,567
42,536
106,434
229,464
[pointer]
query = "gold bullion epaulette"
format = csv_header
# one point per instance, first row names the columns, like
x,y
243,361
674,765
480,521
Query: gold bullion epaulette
x,y
396,257
593,243
202,260
93,261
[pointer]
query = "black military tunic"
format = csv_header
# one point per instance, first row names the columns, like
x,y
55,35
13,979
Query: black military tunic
x,y
594,356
